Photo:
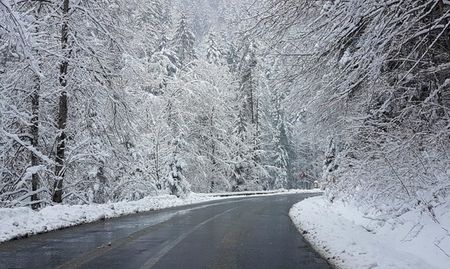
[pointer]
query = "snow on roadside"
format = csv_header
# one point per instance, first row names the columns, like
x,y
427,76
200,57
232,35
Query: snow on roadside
x,y
273,192
22,222
348,239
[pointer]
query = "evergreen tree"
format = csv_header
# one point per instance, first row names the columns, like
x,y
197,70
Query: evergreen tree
x,y
281,144
151,21
183,42
232,57
177,182
248,168
213,53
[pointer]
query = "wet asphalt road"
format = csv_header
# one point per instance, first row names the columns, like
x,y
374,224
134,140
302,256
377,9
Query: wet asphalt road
x,y
253,232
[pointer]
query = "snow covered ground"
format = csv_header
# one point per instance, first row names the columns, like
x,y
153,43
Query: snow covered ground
x,y
349,239
251,193
21,222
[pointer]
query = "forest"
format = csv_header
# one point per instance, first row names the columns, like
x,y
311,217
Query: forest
x,y
105,101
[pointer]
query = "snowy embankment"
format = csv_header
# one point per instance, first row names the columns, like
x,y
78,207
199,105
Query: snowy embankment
x,y
253,193
349,239
22,222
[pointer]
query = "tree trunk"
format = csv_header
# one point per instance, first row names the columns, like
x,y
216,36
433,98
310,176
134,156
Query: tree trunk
x,y
34,130
63,110
251,103
441,12
157,163
213,151
34,142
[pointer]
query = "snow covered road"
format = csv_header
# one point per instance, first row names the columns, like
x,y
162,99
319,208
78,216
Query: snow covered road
x,y
238,233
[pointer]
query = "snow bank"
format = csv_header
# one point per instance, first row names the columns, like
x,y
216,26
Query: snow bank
x,y
251,193
22,222
349,239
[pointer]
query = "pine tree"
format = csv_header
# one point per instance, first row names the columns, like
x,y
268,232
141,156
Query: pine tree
x,y
214,54
280,145
177,181
248,123
183,42
152,22
232,57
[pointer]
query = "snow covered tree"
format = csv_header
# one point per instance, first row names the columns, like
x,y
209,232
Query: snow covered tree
x,y
281,157
248,122
63,105
22,75
83,102
177,182
214,54
150,21
124,115
183,42
372,75
209,118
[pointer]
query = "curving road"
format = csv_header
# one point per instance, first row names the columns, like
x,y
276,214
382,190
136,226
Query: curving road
x,y
254,232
